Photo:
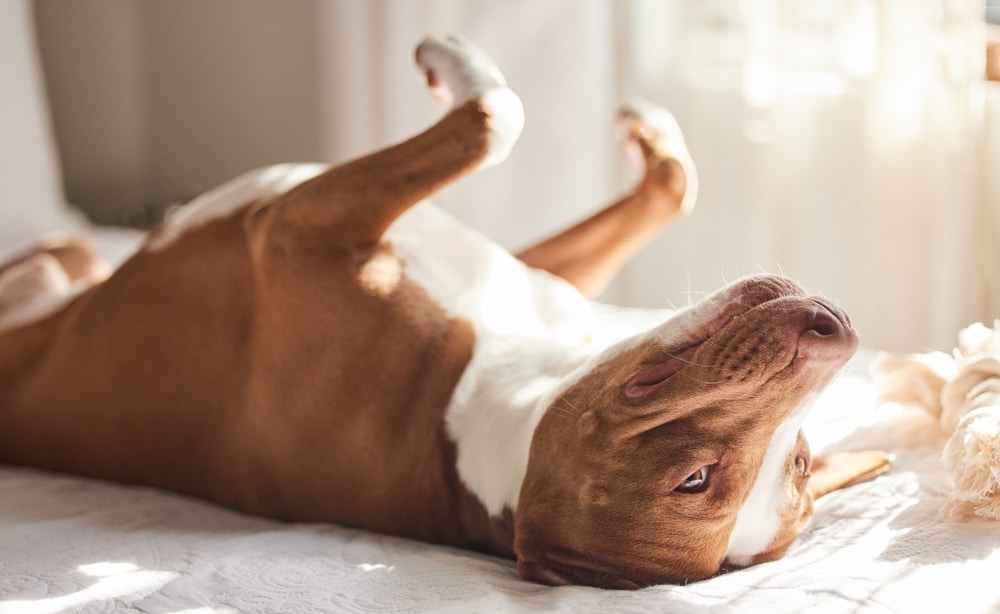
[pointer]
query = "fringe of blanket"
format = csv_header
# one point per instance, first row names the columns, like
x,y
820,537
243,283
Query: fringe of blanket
x,y
962,390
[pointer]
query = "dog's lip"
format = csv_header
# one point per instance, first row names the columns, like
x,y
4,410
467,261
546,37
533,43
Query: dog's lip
x,y
754,295
751,295
641,383
685,352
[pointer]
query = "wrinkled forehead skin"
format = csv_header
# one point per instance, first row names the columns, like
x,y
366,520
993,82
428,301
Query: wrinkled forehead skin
x,y
709,388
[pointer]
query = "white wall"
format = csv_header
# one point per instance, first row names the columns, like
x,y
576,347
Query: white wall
x,y
154,102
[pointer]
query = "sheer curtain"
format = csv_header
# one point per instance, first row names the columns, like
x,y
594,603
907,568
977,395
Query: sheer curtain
x,y
557,54
843,142
846,143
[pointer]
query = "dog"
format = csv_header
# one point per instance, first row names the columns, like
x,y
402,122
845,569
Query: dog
x,y
317,343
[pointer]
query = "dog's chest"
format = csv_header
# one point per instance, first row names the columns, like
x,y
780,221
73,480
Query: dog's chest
x,y
530,328
474,279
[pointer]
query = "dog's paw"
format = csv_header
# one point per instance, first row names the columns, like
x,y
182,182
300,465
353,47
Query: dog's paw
x,y
653,140
458,71
30,289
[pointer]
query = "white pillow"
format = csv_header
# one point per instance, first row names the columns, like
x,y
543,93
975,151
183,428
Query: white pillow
x,y
31,193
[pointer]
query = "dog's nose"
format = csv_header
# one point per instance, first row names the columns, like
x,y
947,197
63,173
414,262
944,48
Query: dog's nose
x,y
825,323
828,333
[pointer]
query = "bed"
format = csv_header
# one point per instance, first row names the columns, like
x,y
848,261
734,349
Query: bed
x,y
76,545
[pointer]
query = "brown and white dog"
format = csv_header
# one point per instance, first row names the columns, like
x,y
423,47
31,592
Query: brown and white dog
x,y
314,343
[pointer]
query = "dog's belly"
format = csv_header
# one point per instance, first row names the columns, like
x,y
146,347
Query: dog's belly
x,y
164,375
129,381
472,277
172,374
463,271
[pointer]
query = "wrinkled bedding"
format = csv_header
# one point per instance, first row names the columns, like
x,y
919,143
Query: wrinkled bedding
x,y
76,545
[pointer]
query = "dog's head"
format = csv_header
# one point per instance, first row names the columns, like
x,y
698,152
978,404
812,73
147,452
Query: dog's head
x,y
679,451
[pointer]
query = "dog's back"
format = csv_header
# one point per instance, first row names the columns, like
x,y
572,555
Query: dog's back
x,y
186,370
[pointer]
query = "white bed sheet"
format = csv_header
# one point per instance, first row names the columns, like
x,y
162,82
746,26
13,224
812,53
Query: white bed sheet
x,y
75,545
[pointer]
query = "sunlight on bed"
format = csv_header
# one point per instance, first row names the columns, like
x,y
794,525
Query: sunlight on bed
x,y
366,567
114,579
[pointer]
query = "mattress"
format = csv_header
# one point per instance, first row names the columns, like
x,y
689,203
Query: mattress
x,y
76,545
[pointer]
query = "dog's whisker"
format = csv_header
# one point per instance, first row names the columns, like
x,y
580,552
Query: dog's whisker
x,y
706,382
688,285
560,411
671,355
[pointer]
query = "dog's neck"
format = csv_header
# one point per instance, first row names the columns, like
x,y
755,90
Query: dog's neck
x,y
492,419
525,352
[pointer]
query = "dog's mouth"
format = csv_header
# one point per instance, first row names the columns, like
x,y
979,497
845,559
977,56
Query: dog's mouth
x,y
645,381
812,331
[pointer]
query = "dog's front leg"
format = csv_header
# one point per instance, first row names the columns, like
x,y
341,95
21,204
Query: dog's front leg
x,y
591,253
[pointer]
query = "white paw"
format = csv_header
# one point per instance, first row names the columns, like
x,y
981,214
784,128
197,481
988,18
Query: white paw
x,y
458,71
643,120
32,289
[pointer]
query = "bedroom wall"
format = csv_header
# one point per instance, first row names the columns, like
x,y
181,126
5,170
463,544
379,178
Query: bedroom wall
x,y
94,75
143,121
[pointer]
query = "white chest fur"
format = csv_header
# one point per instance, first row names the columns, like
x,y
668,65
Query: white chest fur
x,y
531,330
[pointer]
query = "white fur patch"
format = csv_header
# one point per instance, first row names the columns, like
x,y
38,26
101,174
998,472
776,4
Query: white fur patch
x,y
230,196
495,410
759,519
506,124
463,72
510,380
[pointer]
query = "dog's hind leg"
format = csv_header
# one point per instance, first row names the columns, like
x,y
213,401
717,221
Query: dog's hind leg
x,y
351,205
38,281
591,253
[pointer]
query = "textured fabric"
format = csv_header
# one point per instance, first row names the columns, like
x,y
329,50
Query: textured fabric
x,y
962,392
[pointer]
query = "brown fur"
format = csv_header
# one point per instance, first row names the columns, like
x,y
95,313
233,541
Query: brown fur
x,y
125,384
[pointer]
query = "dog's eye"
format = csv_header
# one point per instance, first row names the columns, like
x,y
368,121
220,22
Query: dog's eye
x,y
801,465
694,482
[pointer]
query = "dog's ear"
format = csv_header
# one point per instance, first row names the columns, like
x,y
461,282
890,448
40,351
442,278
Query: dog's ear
x,y
836,470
